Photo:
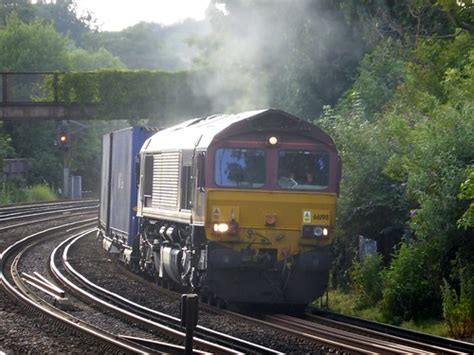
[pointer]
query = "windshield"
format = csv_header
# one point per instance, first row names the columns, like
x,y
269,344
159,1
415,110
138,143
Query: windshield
x,y
240,167
302,169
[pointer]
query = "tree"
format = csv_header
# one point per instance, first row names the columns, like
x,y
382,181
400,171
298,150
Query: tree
x,y
467,193
294,55
22,8
405,131
409,20
150,45
37,46
63,15
31,47
81,60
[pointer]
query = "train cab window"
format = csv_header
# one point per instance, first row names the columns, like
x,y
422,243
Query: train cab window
x,y
302,169
240,167
186,188
148,180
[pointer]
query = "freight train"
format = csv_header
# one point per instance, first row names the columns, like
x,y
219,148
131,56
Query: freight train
x,y
238,207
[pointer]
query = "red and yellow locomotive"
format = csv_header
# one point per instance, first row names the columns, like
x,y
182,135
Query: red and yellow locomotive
x,y
239,207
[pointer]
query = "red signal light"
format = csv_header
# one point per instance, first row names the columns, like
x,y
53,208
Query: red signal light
x,y
63,138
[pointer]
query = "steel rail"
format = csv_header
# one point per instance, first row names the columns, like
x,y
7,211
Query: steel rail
x,y
206,333
150,318
18,290
31,205
35,221
436,342
29,214
372,344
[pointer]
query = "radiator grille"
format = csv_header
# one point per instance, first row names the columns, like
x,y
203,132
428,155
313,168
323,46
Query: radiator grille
x,y
166,181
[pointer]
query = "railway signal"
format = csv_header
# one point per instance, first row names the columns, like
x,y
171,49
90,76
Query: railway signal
x,y
63,137
63,141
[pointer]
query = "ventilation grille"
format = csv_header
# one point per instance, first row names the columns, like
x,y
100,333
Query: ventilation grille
x,y
166,181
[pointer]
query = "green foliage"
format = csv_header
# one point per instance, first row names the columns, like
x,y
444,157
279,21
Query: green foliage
x,y
150,46
371,203
366,279
458,309
136,95
37,143
81,60
31,47
293,55
22,9
411,283
65,18
41,192
407,19
343,302
12,192
380,72
405,132
467,193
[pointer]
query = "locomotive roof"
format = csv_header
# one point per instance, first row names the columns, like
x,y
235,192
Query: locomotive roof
x,y
201,132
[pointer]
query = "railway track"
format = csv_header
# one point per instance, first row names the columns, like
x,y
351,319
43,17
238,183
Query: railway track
x,y
161,323
327,335
355,324
357,340
32,212
39,295
17,286
327,338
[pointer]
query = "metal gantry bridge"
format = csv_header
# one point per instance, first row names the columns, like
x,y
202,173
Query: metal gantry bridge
x,y
105,94
35,96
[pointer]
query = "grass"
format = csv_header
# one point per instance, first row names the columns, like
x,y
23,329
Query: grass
x,y
344,303
41,193
10,193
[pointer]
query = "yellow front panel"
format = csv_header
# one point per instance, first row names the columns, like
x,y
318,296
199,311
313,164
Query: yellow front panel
x,y
286,211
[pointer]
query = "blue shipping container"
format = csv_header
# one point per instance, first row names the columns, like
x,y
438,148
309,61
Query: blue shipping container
x,y
119,182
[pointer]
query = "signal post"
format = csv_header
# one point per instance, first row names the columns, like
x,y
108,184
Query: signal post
x,y
63,141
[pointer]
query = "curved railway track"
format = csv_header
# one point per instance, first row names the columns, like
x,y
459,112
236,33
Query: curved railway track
x,y
164,324
15,284
401,335
333,338
34,211
47,299
357,340
164,331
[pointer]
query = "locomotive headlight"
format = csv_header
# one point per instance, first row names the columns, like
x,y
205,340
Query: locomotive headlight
x,y
221,227
312,231
272,140
318,231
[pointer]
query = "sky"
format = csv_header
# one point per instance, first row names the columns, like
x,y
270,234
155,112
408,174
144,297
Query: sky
x,y
115,15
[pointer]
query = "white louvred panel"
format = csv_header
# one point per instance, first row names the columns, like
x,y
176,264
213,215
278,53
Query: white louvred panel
x,y
166,180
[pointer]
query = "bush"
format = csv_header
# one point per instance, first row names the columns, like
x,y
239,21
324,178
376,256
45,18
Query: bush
x,y
41,193
458,311
412,284
13,192
366,280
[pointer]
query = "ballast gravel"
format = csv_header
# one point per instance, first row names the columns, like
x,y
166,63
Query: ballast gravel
x,y
92,261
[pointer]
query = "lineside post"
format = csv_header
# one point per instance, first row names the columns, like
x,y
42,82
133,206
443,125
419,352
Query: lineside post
x,y
189,318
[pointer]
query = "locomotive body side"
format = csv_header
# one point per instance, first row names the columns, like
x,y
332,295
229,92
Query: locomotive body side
x,y
239,207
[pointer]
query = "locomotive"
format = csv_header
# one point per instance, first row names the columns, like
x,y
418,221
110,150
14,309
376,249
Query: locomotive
x,y
238,207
